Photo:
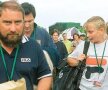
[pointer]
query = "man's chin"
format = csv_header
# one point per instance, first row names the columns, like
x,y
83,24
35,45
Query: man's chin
x,y
11,45
95,42
12,42
91,40
27,30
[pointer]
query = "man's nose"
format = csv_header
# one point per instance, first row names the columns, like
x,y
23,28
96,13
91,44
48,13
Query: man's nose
x,y
27,24
13,27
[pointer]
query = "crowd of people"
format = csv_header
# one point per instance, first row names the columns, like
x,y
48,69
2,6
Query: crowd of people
x,y
23,42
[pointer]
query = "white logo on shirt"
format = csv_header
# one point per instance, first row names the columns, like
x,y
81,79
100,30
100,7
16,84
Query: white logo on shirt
x,y
25,60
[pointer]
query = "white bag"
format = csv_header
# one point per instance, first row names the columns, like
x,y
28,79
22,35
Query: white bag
x,y
14,85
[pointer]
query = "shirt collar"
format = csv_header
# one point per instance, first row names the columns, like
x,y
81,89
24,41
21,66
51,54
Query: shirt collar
x,y
25,39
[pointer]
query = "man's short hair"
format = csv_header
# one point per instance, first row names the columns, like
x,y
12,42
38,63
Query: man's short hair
x,y
12,5
29,8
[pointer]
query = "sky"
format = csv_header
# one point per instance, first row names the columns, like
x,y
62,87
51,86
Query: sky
x,y
50,12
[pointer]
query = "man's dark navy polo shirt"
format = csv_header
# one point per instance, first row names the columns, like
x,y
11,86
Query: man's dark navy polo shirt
x,y
30,63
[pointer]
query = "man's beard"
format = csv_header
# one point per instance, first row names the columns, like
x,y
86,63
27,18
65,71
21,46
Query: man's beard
x,y
13,42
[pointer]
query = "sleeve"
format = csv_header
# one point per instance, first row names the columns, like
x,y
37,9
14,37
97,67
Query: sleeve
x,y
78,50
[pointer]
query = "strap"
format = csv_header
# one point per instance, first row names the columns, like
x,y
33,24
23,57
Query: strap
x,y
14,63
85,50
86,46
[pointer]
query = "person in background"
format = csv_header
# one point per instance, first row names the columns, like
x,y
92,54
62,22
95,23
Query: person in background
x,y
67,43
76,40
95,76
60,45
38,33
83,37
26,53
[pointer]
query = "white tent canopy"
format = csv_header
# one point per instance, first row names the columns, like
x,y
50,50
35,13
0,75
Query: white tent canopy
x,y
70,32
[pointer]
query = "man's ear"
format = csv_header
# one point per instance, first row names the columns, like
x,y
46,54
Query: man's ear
x,y
102,29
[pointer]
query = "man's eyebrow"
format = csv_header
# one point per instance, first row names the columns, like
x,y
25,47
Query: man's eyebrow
x,y
29,20
9,21
6,21
18,20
